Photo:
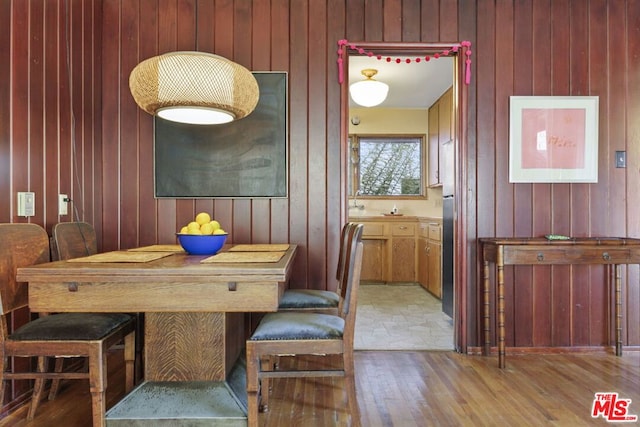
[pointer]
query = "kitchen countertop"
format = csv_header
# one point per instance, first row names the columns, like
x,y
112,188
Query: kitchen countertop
x,y
393,218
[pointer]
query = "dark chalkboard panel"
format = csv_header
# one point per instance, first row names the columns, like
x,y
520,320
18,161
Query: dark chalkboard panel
x,y
244,158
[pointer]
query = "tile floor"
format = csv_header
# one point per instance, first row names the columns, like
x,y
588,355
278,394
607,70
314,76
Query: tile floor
x,y
400,317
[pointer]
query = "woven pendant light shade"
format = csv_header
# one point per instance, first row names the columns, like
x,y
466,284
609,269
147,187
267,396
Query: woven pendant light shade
x,y
194,87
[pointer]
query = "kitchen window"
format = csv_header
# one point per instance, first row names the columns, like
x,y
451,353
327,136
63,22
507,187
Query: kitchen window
x,y
387,166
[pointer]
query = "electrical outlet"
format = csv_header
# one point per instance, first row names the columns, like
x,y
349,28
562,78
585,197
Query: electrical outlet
x,y
62,204
26,203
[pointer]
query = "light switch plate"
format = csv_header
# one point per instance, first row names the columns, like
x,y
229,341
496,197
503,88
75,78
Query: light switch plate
x,y
621,159
26,203
62,204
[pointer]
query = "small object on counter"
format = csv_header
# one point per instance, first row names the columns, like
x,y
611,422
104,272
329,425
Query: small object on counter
x,y
394,210
557,237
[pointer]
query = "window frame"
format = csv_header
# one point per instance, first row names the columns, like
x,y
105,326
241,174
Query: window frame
x,y
353,172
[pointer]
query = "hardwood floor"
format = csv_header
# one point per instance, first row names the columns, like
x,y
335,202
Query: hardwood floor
x,y
72,406
420,388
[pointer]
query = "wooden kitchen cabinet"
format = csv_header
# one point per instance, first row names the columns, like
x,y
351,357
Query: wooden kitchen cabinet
x,y
430,256
445,113
389,249
434,259
441,130
423,260
434,146
402,262
374,242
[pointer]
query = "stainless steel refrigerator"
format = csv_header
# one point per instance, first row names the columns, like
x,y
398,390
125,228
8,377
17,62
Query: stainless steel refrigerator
x,y
448,215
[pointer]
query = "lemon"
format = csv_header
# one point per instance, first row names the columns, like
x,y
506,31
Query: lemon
x,y
203,218
215,224
206,228
196,232
193,226
184,230
219,231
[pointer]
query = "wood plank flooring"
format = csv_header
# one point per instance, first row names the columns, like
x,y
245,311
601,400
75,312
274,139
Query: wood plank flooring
x,y
420,388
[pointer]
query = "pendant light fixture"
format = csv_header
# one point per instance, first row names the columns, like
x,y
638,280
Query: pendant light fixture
x,y
369,92
194,87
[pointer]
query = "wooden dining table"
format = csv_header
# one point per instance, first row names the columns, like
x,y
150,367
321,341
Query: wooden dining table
x,y
194,309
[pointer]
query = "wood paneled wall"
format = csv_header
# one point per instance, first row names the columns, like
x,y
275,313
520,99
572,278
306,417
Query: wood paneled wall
x,y
558,48
50,107
49,117
83,134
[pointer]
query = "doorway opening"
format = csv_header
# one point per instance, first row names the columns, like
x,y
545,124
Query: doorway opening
x,y
428,81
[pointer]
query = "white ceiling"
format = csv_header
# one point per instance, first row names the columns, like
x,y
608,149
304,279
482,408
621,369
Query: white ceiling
x,y
412,85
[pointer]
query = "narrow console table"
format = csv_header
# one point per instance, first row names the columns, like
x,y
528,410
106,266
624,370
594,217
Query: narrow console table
x,y
542,251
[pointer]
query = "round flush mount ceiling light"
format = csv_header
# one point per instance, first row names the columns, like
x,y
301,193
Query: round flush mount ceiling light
x,y
369,92
194,87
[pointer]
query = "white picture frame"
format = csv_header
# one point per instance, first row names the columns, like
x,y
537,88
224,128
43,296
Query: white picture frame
x,y
553,139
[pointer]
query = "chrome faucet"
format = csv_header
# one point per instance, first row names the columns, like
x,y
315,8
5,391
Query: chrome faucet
x,y
355,201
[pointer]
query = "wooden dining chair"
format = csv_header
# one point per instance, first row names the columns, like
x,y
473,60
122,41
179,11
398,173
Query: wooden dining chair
x,y
298,334
317,300
70,240
57,335
74,240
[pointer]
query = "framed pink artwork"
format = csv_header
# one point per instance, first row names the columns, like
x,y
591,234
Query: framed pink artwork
x,y
553,139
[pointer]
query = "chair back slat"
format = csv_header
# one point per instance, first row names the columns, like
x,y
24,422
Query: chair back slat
x,y
21,245
353,267
345,238
73,240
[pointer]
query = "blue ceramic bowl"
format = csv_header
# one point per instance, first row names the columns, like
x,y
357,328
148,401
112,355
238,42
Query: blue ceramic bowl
x,y
195,244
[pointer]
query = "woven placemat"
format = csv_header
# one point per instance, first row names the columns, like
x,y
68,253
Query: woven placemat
x,y
245,257
158,248
122,256
268,247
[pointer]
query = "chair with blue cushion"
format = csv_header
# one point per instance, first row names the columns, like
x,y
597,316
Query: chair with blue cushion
x,y
317,300
57,335
297,334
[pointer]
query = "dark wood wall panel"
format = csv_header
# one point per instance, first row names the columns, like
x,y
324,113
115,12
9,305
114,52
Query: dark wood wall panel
x,y
560,48
632,145
5,112
52,70
49,101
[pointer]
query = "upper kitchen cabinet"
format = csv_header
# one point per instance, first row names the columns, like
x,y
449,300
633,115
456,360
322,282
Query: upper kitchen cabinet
x,y
440,132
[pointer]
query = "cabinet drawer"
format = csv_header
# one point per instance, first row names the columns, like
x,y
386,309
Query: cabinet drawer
x,y
434,232
423,230
568,255
373,229
403,229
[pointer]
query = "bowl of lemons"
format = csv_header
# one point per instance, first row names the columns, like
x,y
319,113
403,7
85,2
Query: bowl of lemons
x,y
202,236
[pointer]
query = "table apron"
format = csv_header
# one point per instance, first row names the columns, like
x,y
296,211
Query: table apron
x,y
154,296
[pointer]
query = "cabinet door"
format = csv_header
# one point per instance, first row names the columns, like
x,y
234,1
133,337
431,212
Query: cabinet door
x,y
373,260
434,253
445,112
434,146
403,266
423,263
